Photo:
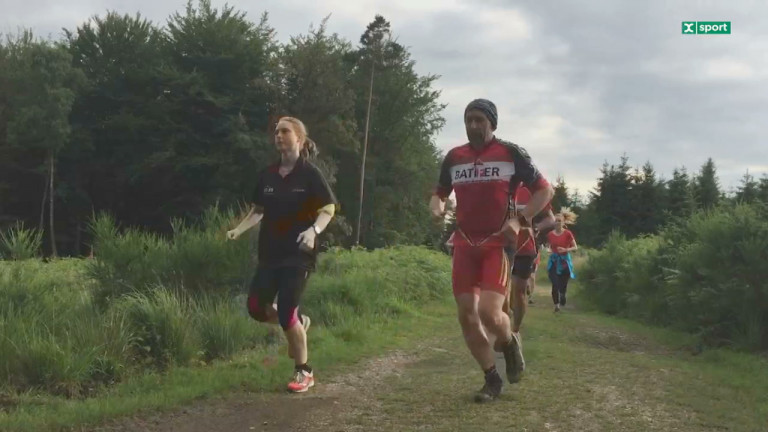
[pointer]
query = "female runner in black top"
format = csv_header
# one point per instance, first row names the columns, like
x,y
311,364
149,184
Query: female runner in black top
x,y
294,204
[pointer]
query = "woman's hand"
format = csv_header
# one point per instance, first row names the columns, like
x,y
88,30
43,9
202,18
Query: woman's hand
x,y
306,239
438,215
233,234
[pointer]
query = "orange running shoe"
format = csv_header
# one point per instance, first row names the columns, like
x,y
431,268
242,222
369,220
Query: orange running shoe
x,y
302,381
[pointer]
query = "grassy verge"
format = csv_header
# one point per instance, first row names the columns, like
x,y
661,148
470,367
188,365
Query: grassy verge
x,y
360,303
265,370
585,371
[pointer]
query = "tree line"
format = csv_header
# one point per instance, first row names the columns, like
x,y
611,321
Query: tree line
x,y
636,201
151,123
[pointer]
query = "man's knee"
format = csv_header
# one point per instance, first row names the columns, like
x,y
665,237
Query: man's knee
x,y
467,314
519,286
468,317
490,313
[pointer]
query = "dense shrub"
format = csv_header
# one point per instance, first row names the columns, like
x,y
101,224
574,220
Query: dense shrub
x,y
72,326
706,274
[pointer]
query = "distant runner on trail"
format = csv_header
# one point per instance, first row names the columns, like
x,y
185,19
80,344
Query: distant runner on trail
x,y
525,255
531,286
484,174
296,204
560,266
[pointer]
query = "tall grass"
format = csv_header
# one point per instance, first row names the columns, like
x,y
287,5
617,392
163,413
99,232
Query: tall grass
x,y
52,337
158,320
146,303
705,275
221,335
19,243
382,283
197,259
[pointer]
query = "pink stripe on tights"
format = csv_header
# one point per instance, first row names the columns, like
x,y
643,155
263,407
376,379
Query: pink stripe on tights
x,y
294,318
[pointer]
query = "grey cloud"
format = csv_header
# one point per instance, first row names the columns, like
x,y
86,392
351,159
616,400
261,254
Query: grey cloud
x,y
671,120
621,68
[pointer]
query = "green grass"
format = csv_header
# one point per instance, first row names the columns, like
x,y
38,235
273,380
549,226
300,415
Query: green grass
x,y
158,347
585,372
268,369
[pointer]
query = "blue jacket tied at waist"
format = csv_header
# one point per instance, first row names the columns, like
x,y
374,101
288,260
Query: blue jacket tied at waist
x,y
557,259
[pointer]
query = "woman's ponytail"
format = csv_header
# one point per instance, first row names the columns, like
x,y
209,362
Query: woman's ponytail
x,y
309,149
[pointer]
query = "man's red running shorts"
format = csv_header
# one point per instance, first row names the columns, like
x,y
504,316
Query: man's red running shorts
x,y
477,268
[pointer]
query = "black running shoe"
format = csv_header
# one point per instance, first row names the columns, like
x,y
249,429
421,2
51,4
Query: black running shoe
x,y
492,388
513,356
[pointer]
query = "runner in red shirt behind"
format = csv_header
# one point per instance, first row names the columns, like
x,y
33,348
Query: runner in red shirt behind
x,y
532,280
484,174
560,266
525,257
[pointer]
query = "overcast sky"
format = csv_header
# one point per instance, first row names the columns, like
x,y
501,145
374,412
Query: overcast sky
x,y
576,82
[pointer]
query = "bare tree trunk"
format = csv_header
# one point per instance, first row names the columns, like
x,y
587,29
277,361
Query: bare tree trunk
x,y
365,152
78,239
50,206
40,226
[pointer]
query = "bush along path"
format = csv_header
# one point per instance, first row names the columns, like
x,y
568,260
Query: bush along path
x,y
85,342
389,356
585,372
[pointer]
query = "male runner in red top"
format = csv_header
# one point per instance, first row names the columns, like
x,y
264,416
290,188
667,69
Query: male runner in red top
x,y
484,174
526,254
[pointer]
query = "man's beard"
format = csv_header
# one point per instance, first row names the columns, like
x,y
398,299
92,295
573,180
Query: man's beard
x,y
476,137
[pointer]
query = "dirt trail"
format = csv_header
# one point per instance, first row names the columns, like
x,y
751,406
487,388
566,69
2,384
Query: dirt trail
x,y
582,374
334,400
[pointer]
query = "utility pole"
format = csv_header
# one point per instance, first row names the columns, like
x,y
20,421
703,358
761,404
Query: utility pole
x,y
365,152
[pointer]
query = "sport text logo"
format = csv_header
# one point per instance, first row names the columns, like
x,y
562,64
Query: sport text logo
x,y
706,27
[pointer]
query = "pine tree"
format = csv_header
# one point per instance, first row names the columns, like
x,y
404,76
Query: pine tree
x,y
680,200
749,189
762,189
646,202
611,200
402,161
707,187
561,198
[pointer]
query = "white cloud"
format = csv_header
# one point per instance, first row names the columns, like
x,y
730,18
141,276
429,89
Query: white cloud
x,y
575,83
729,69
504,25
547,131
